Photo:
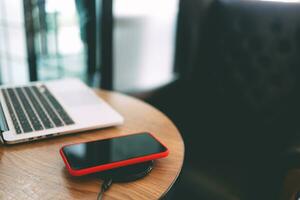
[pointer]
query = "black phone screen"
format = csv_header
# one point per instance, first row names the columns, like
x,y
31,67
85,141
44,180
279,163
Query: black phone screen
x,y
89,154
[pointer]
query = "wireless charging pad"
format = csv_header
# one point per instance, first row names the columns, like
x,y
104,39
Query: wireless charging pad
x,y
128,173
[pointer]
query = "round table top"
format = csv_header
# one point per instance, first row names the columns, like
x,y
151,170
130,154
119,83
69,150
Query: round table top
x,y
36,171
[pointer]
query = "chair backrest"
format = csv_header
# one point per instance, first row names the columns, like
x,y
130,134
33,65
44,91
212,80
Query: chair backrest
x,y
249,55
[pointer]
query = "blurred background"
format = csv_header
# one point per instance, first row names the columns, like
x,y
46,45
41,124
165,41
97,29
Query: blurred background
x,y
225,71
50,39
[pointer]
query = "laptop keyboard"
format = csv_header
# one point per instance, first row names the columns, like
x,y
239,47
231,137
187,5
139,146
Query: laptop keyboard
x,y
34,108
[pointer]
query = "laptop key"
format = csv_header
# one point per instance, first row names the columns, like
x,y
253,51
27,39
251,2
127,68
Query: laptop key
x,y
19,111
11,112
47,106
38,108
31,114
60,110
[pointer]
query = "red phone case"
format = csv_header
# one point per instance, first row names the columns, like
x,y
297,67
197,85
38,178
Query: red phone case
x,y
113,165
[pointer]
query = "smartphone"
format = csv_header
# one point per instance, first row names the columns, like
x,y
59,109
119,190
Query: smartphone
x,y
95,156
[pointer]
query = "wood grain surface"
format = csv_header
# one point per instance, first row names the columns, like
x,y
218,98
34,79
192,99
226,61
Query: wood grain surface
x,y
36,171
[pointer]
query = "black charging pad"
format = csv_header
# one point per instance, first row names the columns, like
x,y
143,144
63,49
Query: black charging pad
x,y
128,173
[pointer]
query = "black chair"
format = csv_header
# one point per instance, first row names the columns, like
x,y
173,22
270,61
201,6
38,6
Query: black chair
x,y
237,102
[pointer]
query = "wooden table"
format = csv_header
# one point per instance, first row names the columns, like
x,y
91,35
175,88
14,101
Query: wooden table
x,y
36,171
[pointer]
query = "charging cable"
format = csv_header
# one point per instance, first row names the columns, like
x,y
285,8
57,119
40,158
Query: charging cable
x,y
105,186
123,174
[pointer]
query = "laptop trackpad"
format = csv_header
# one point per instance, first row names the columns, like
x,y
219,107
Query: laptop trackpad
x,y
78,98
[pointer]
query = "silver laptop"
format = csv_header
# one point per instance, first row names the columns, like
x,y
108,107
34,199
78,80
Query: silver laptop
x,y
43,109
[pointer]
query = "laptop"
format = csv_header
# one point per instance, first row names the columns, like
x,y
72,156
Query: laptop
x,y
44,109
